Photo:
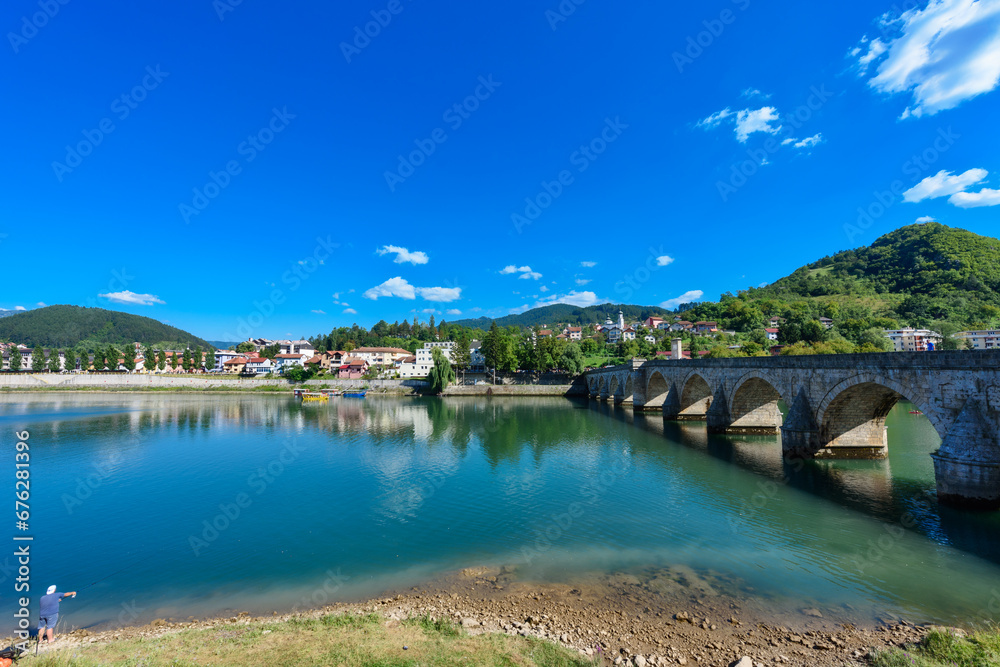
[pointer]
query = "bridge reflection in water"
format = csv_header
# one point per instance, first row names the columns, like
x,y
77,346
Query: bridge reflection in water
x,y
892,489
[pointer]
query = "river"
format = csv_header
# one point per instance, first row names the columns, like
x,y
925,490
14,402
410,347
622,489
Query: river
x,y
179,505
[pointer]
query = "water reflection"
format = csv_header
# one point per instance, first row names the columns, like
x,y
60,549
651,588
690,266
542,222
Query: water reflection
x,y
394,487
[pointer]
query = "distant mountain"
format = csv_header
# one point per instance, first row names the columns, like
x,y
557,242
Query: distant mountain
x,y
8,313
71,326
561,313
223,344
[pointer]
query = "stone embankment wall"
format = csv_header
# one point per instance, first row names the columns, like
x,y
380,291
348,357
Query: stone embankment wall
x,y
194,382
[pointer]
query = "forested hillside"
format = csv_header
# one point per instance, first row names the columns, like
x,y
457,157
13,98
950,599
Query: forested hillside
x,y
75,326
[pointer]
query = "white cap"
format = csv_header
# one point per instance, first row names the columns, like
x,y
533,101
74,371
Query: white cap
x,y
52,589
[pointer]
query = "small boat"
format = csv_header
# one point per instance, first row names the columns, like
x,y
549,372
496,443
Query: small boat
x,y
916,412
314,396
355,394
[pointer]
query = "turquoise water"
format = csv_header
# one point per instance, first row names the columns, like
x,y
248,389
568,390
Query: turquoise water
x,y
181,505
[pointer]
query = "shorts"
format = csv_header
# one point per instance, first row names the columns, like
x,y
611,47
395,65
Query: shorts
x,y
49,623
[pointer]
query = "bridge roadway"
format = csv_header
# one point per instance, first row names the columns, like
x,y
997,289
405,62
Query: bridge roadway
x,y
836,405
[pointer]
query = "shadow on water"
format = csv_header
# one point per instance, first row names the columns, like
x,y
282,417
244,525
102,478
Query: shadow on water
x,y
899,490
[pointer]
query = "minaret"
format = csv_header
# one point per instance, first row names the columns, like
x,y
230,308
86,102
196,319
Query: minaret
x,y
621,320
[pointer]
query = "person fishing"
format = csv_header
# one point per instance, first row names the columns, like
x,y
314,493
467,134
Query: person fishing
x,y
48,613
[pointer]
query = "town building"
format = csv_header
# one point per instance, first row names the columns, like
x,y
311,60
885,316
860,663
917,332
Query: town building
x,y
258,366
986,339
914,340
574,333
284,362
380,356
772,333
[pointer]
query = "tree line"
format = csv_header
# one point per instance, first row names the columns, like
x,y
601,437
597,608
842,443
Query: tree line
x,y
110,358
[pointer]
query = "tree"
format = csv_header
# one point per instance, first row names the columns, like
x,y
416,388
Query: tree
x,y
199,360
571,359
128,358
461,355
112,358
589,346
210,359
246,346
149,360
161,360
84,360
38,359
70,360
173,360
874,340
54,366
441,373
16,360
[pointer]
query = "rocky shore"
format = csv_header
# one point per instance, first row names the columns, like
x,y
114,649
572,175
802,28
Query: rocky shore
x,y
665,616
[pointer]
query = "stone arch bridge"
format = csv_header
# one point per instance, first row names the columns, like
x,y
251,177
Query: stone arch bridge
x,y
836,405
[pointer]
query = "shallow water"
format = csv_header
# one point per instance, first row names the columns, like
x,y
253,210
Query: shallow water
x,y
136,502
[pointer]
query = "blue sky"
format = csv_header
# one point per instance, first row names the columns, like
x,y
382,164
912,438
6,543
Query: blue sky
x,y
271,170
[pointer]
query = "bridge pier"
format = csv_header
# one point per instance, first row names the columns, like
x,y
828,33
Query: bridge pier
x,y
967,465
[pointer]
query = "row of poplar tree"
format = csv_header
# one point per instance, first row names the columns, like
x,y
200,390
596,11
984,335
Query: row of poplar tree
x,y
111,358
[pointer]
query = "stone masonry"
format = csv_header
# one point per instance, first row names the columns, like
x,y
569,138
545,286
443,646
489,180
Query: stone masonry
x,y
837,405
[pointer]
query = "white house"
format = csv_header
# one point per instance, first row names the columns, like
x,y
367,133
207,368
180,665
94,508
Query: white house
x,y
477,360
772,333
425,354
259,366
296,347
285,361
649,338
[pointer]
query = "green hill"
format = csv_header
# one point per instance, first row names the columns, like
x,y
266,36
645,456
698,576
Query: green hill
x,y
919,275
562,313
74,326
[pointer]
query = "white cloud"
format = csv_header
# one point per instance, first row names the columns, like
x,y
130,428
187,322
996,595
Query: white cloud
x,y
582,281
429,311
574,298
664,260
454,311
942,184
336,295
924,218
403,255
132,298
985,197
713,120
544,288
943,54
350,311
687,297
809,142
753,92
747,121
19,308
440,294
789,140
525,271
588,264
758,120
318,312
400,287
393,287
40,304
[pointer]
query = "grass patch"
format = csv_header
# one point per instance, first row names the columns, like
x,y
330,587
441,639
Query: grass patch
x,y
354,640
944,649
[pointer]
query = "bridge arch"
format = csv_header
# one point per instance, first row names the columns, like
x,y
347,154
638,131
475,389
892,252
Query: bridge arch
x,y
696,398
657,388
852,415
753,406
614,386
